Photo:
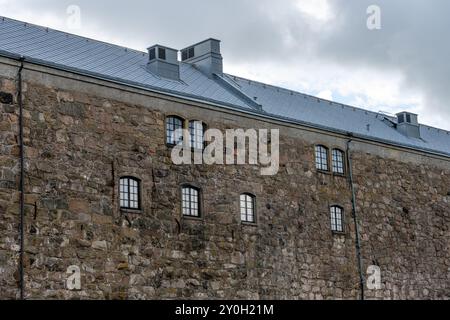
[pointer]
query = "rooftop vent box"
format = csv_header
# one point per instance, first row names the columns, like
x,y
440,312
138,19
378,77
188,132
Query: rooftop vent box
x,y
163,62
408,124
205,56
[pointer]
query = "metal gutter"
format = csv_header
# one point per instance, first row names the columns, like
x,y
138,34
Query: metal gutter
x,y
22,181
219,104
355,221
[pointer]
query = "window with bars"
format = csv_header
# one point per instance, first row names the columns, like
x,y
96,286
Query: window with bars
x,y
338,161
152,54
187,53
191,201
337,219
174,133
248,202
196,131
162,53
130,193
321,158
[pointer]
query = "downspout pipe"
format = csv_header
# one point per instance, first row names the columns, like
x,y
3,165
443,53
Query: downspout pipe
x,y
355,221
22,181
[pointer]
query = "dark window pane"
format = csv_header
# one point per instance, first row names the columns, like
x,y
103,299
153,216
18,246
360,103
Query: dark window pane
x,y
184,55
321,158
338,161
152,54
247,205
337,219
190,202
174,127
196,132
162,53
191,52
129,193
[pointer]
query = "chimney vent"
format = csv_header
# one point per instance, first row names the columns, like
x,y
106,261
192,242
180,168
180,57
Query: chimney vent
x,y
163,62
205,56
408,124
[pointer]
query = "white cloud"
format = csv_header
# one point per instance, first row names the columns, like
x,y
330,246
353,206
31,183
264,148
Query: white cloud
x,y
318,9
326,94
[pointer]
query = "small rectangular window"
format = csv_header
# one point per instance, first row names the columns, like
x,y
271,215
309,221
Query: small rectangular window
x,y
191,52
408,118
174,133
338,161
184,55
190,202
337,219
196,131
248,208
152,54
321,158
129,193
162,53
187,54
401,118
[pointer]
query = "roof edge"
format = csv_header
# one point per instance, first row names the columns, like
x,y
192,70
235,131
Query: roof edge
x,y
215,103
328,101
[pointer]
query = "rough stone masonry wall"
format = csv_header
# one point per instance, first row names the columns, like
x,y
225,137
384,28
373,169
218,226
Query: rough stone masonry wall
x,y
77,147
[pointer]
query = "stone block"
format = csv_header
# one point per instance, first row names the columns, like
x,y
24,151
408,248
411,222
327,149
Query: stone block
x,y
100,245
72,109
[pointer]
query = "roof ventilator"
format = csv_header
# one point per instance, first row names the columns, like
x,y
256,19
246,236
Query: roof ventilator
x,y
163,62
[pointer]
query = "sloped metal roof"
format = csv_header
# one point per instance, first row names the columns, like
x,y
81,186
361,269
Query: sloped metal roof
x,y
107,60
340,117
74,53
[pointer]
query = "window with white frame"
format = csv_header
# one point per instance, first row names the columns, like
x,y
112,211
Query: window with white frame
x,y
338,161
247,203
337,219
174,133
321,158
190,201
196,132
130,193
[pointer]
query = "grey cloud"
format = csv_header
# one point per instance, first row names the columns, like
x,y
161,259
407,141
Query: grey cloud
x,y
250,29
413,38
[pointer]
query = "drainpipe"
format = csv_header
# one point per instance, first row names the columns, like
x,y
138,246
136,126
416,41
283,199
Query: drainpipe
x,y
355,221
22,178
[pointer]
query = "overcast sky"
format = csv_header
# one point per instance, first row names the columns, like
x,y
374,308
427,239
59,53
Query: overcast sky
x,y
319,47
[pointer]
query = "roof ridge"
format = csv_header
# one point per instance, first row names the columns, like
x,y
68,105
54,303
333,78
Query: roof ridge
x,y
3,18
305,94
435,128
324,100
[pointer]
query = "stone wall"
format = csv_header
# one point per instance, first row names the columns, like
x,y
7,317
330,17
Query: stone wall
x,y
79,144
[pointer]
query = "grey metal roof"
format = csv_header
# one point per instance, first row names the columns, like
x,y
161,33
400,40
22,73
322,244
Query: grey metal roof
x,y
339,117
112,62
